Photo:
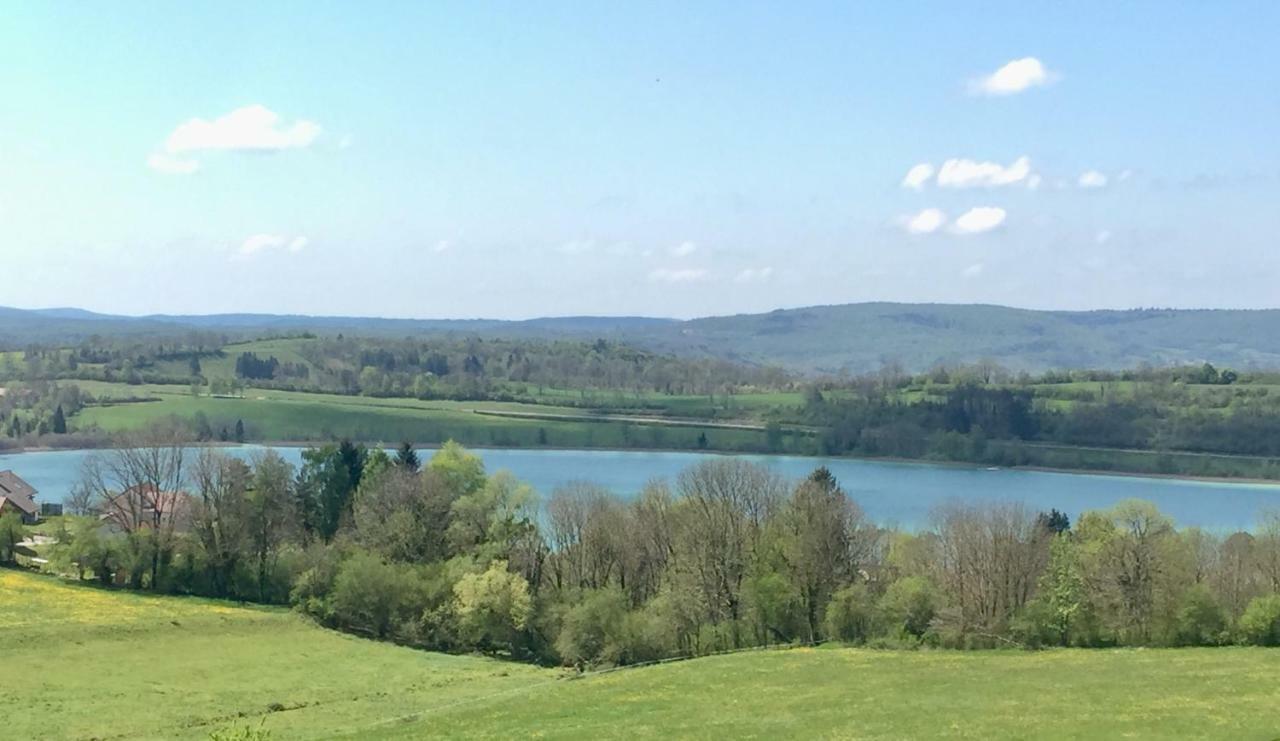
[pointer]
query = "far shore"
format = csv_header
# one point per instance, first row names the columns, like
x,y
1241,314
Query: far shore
x,y
878,459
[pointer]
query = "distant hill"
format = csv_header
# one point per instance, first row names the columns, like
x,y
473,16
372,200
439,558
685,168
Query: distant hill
x,y
862,337
818,339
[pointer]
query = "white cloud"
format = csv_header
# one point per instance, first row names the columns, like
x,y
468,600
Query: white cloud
x,y
926,222
677,275
966,173
442,246
1103,236
1092,179
172,165
253,128
979,220
261,242
684,249
973,271
1014,77
917,176
754,275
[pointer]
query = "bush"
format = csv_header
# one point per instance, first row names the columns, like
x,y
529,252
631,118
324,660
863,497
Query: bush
x,y
492,608
1199,621
910,604
591,630
1260,623
375,597
850,615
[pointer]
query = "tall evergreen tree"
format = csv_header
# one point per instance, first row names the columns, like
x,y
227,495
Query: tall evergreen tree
x,y
407,457
59,421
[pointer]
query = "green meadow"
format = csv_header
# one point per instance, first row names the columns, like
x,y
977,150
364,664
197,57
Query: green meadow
x,y
113,664
286,415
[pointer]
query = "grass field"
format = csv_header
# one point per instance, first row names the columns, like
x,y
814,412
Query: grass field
x,y
80,662
286,415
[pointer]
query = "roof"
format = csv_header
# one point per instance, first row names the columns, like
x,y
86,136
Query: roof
x,y
18,493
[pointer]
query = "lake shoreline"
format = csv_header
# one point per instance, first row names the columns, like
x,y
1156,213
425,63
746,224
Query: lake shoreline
x,y
293,444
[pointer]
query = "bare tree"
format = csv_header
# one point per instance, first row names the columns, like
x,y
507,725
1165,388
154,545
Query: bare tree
x,y
220,514
139,487
990,558
726,503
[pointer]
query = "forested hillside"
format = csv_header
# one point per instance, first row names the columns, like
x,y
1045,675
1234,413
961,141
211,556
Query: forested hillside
x,y
822,339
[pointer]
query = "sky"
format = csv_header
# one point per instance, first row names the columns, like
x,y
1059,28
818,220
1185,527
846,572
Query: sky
x,y
514,160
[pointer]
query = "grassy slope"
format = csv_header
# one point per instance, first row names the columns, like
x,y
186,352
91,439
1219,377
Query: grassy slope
x,y
851,693
109,664
83,662
284,415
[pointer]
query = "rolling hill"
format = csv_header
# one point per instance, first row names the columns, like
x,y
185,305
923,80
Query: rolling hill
x,y
99,663
818,339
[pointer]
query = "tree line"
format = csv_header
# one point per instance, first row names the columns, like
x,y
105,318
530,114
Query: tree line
x,y
445,555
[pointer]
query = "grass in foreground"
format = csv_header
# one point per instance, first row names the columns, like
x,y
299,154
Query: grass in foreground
x,y
84,662
1228,693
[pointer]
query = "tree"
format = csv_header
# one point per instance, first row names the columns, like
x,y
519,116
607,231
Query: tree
x,y
326,485
591,630
219,519
376,598
11,534
910,604
239,430
407,457
1260,623
59,421
1199,621
725,505
270,516
401,515
850,615
1062,588
826,537
492,607
194,366
139,487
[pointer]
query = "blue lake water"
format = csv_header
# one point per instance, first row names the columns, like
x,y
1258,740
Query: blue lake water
x,y
890,493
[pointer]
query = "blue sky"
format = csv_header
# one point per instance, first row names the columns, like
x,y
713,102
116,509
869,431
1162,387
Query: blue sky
x,y
530,159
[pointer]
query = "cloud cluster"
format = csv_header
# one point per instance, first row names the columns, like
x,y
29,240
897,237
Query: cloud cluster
x,y
1092,179
263,242
684,249
979,220
974,221
961,173
927,221
1014,77
253,128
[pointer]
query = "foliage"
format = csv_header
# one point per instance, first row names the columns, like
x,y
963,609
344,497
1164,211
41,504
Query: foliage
x,y
1260,623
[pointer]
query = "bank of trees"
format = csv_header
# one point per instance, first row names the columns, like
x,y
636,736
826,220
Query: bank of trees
x,y
445,555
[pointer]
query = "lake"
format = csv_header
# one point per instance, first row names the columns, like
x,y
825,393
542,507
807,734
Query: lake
x,y
891,493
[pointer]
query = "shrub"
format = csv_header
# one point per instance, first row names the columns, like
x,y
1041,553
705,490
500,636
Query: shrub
x,y
850,615
591,631
375,597
1199,621
492,607
1260,623
910,604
